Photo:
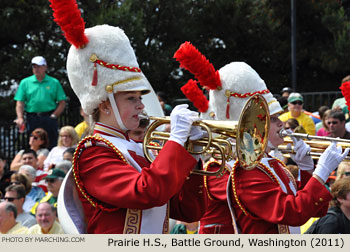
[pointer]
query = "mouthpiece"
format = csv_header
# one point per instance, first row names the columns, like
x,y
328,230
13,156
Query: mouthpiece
x,y
142,116
283,133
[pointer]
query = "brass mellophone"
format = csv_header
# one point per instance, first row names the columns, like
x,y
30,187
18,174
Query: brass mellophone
x,y
250,133
318,144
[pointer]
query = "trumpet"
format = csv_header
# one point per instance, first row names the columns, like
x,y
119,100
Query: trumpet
x,y
250,132
318,144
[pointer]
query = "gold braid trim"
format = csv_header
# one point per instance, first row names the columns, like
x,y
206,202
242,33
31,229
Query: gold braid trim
x,y
205,180
83,144
261,167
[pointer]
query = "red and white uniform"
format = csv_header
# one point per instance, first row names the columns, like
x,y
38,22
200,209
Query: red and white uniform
x,y
266,199
217,218
124,193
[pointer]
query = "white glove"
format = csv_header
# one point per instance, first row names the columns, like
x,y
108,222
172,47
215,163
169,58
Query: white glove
x,y
301,158
197,133
181,120
330,160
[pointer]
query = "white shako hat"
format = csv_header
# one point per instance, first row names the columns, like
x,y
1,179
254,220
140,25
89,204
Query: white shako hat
x,y
101,62
229,88
107,53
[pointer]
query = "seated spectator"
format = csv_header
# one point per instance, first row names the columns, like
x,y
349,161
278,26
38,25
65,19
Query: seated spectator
x,y
82,127
29,158
46,219
5,176
16,194
54,181
8,223
68,154
291,124
324,130
39,142
336,124
286,91
21,179
321,110
294,126
36,193
295,107
337,219
64,165
67,138
343,170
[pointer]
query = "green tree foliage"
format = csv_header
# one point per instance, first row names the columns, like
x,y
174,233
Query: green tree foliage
x,y
254,31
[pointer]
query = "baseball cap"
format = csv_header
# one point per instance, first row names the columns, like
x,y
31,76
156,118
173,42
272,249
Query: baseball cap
x,y
286,89
55,173
39,60
295,97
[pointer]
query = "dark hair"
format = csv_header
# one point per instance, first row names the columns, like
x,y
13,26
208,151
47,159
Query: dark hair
x,y
321,110
162,96
19,189
43,136
30,151
283,102
69,150
293,123
337,115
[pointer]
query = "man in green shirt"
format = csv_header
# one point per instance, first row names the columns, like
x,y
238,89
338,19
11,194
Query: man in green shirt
x,y
42,98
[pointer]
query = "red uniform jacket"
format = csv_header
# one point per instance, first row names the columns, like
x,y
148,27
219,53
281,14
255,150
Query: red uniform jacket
x,y
217,219
114,184
267,205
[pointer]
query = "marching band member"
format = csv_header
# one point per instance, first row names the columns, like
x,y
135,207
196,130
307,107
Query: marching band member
x,y
265,199
231,80
119,190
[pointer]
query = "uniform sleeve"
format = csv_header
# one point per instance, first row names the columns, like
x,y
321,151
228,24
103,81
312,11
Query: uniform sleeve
x,y
190,203
110,180
216,187
265,199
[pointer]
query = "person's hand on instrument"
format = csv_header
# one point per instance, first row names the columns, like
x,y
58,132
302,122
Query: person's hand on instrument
x,y
181,120
329,161
301,157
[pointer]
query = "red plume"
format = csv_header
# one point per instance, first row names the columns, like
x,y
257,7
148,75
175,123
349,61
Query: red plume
x,y
191,59
68,17
195,95
345,90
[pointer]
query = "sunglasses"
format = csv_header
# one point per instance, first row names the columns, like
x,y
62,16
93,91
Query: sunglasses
x,y
35,137
297,102
347,173
332,122
10,199
50,180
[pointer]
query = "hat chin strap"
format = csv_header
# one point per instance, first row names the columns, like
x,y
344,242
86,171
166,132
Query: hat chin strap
x,y
116,112
270,145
